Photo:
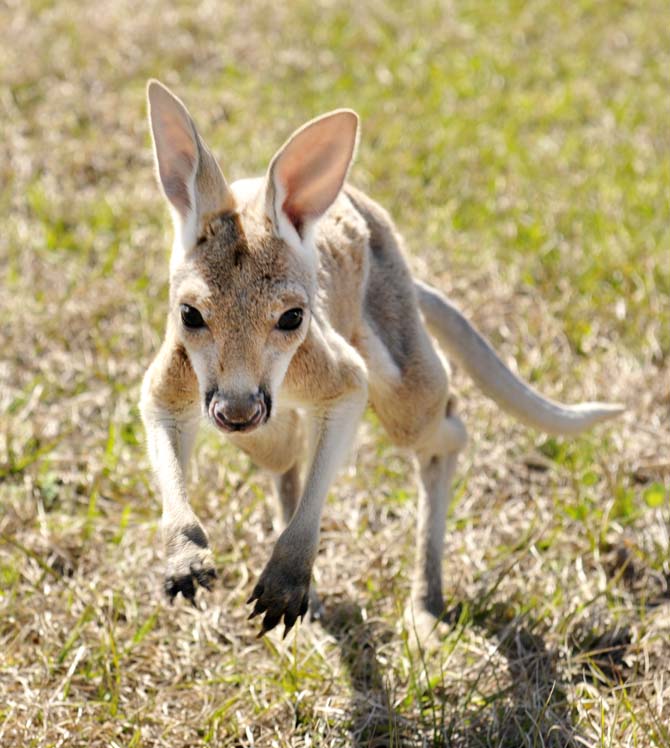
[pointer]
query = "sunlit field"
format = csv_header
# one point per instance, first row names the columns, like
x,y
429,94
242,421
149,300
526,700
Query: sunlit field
x,y
523,149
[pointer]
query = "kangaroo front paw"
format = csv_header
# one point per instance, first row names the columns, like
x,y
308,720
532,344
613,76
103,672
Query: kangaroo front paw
x,y
282,592
190,563
197,572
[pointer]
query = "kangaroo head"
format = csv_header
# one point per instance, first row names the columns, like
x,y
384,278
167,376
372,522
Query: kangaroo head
x,y
244,263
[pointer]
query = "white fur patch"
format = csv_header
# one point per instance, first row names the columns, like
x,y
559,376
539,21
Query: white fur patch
x,y
285,230
185,229
245,190
384,372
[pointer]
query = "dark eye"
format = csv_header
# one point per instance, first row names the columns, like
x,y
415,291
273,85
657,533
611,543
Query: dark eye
x,y
290,320
191,317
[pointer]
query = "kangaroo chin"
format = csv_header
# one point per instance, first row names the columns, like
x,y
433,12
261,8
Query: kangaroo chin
x,y
298,279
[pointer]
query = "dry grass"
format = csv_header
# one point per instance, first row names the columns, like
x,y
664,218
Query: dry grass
x,y
524,149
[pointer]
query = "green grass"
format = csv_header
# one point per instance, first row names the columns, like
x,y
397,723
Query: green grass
x,y
524,150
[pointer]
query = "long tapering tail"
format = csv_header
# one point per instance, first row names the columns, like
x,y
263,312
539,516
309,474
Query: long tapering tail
x,y
474,353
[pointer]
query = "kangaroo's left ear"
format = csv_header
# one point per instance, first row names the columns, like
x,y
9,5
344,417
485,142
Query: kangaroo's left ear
x,y
188,173
308,171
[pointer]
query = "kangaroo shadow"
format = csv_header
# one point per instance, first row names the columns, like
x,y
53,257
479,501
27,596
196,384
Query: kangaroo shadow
x,y
374,721
530,709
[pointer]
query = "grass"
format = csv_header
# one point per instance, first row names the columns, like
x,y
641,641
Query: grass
x,y
524,150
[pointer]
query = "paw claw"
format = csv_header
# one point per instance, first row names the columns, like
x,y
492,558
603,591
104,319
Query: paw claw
x,y
283,595
258,610
205,577
272,618
290,617
257,592
187,583
288,625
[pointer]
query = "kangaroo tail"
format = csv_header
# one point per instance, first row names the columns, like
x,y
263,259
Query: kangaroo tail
x,y
474,353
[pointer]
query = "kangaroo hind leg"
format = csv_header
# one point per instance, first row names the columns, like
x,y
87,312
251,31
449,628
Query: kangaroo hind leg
x,y
436,459
417,412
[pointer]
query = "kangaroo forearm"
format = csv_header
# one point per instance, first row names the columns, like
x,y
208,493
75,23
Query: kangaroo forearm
x,y
335,432
169,468
170,424
189,559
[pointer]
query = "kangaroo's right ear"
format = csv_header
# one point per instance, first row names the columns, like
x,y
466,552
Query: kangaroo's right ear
x,y
308,171
188,173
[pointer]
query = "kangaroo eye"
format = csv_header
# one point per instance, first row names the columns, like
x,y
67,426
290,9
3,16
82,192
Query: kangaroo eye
x,y
290,320
191,317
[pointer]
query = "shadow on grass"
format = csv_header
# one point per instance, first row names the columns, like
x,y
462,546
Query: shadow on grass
x,y
529,709
533,708
374,721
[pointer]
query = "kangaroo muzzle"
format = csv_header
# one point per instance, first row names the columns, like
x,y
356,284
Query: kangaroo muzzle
x,y
243,412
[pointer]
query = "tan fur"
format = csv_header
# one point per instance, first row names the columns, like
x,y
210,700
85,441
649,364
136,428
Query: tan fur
x,y
294,239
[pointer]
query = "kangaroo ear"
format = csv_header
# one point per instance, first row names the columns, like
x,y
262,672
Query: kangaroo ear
x,y
188,173
308,171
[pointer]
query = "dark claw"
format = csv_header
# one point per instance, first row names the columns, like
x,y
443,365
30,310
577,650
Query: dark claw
x,y
170,588
205,577
188,590
175,585
258,591
290,618
259,608
289,622
271,620
187,584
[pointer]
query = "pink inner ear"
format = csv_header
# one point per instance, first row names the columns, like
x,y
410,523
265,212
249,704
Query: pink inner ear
x,y
313,165
176,149
175,184
313,184
176,164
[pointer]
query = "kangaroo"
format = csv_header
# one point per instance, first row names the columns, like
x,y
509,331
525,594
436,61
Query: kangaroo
x,y
291,309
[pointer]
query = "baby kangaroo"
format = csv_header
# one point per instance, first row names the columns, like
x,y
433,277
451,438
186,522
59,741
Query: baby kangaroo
x,y
292,308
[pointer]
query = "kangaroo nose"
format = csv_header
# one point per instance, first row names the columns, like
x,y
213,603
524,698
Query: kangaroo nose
x,y
238,412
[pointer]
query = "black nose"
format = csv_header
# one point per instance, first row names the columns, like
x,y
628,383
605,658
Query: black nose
x,y
239,412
